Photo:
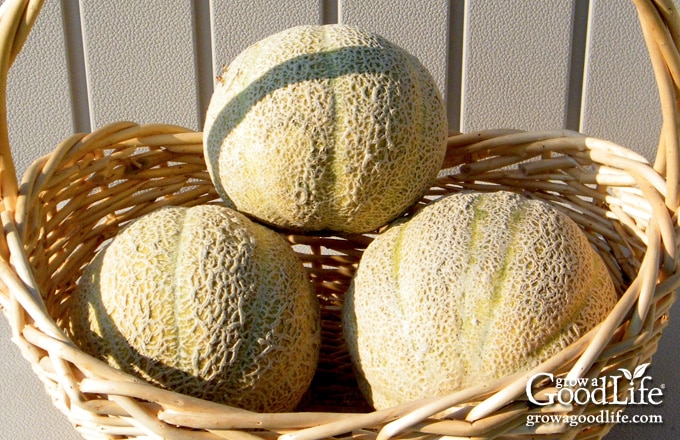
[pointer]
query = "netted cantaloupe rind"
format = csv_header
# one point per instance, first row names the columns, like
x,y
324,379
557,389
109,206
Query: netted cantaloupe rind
x,y
325,128
204,302
474,287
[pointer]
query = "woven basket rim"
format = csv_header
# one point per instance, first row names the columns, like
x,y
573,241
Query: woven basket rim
x,y
644,202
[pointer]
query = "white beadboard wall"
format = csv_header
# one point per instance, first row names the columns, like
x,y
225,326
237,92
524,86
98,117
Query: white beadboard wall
x,y
516,59
618,82
527,64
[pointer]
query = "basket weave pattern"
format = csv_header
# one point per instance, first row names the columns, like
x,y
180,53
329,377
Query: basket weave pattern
x,y
75,199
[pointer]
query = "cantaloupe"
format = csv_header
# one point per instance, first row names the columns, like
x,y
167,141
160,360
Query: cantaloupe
x,y
324,128
204,302
474,287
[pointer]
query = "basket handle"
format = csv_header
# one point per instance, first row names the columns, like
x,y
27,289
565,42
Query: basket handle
x,y
660,25
16,20
661,29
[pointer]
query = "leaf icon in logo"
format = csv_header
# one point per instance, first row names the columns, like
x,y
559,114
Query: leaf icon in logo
x,y
640,370
626,373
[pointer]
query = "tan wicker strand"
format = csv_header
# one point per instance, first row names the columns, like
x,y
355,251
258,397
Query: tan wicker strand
x,y
70,202
666,65
10,45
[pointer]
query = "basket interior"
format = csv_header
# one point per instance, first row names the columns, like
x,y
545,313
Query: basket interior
x,y
80,196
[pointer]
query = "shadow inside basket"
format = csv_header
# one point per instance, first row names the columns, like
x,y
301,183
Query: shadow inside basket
x,y
78,198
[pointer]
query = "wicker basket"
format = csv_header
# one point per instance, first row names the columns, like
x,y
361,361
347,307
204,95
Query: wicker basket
x,y
79,196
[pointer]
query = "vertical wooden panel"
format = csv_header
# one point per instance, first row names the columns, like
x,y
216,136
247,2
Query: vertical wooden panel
x,y
237,24
140,61
620,101
454,71
419,27
38,96
516,64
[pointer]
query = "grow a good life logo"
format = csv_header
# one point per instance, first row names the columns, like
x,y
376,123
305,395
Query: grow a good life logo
x,y
583,391
629,388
